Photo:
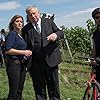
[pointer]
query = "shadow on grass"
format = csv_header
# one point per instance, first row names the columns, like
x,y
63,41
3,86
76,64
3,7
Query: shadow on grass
x,y
3,99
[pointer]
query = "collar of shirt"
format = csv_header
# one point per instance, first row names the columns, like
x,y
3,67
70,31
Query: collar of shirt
x,y
39,24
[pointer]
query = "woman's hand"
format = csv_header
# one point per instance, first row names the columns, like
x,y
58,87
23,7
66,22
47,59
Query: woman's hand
x,y
27,52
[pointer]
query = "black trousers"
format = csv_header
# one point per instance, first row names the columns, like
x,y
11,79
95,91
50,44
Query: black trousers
x,y
16,77
45,78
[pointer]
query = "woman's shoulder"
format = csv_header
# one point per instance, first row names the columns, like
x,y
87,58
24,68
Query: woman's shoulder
x,y
12,33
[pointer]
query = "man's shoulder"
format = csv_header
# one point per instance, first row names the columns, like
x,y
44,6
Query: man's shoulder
x,y
27,26
46,19
96,31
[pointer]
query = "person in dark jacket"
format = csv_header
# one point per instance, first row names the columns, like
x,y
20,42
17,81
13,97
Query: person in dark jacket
x,y
15,52
96,40
41,35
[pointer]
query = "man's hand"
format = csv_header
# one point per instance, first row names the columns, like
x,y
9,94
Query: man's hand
x,y
93,62
52,37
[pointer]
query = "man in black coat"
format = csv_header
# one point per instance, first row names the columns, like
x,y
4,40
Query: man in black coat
x,y
41,35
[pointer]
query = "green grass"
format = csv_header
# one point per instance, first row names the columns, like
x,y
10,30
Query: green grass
x,y
72,80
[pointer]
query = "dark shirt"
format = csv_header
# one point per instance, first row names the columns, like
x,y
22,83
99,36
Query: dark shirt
x,y
13,40
96,38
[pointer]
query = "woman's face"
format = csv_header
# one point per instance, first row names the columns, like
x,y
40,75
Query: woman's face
x,y
18,24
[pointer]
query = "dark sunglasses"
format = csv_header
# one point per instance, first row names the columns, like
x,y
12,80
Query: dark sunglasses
x,y
97,17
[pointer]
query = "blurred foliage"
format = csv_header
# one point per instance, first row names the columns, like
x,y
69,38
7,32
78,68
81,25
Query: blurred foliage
x,y
79,38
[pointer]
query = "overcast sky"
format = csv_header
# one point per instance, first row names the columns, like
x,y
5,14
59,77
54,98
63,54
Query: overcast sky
x,y
69,13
